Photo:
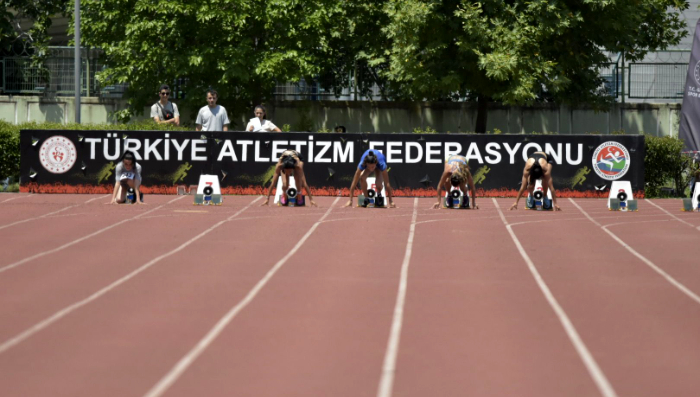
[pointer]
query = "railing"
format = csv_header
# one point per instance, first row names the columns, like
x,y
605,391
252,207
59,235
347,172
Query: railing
x,y
55,78
656,80
661,75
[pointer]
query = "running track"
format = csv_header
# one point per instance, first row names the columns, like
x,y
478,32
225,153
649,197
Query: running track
x,y
170,299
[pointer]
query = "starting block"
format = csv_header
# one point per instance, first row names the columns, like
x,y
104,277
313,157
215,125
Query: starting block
x,y
455,199
296,199
537,201
621,197
693,203
208,191
373,199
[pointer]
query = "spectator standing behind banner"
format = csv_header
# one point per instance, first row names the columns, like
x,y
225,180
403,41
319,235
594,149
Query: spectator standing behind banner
x,y
164,111
212,117
260,123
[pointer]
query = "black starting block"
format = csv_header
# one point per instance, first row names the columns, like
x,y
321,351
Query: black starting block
x,y
456,200
621,203
208,198
294,199
373,200
130,196
537,201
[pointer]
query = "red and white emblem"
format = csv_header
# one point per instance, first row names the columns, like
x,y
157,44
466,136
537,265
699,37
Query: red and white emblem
x,y
57,154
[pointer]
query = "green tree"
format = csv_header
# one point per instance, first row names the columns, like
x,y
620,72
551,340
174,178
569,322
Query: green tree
x,y
518,52
242,48
35,38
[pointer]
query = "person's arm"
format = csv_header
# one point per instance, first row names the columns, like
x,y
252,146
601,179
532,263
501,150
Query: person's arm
x,y
114,194
550,185
276,129
225,127
523,187
443,178
199,127
137,190
472,191
355,179
389,189
272,184
305,185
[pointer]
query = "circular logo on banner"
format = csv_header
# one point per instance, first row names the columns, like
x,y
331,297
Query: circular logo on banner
x,y
611,160
696,72
57,154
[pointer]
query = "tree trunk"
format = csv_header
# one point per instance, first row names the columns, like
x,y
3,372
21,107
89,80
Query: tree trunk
x,y
481,114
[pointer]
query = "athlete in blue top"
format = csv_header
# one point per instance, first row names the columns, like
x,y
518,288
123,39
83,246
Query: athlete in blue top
x,y
371,161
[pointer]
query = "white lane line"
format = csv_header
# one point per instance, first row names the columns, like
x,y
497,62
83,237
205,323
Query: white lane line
x,y
18,197
181,366
66,245
649,263
594,370
386,383
38,217
97,198
46,215
75,306
673,216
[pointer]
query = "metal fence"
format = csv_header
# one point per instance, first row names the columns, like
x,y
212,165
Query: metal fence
x,y
661,75
656,80
56,77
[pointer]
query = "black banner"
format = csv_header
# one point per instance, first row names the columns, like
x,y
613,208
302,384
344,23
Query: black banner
x,y
689,130
84,161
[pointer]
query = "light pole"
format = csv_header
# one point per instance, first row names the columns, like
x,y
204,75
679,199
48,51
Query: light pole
x,y
77,61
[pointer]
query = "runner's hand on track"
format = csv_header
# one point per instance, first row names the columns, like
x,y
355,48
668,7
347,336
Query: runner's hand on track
x,y
514,206
313,203
556,208
436,205
392,205
265,202
348,204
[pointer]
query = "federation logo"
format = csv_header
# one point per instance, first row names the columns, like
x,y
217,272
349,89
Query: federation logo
x,y
696,72
57,154
611,161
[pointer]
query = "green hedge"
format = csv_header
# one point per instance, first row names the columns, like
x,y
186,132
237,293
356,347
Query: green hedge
x,y
666,166
663,163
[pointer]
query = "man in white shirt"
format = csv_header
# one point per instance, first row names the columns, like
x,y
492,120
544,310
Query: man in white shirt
x,y
164,111
212,117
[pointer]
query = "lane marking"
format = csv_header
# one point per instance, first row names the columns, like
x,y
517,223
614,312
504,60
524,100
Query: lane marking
x,y
75,306
181,366
18,197
386,383
97,198
594,370
38,217
649,263
81,239
191,211
46,215
664,210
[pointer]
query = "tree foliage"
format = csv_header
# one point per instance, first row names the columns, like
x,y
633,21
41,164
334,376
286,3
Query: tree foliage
x,y
35,38
239,47
518,52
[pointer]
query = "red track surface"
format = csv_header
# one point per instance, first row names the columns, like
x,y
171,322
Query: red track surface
x,y
238,300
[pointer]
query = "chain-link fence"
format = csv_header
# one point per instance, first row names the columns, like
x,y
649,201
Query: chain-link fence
x,y
55,76
660,75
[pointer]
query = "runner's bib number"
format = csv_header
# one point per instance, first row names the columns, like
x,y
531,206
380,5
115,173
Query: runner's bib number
x,y
127,175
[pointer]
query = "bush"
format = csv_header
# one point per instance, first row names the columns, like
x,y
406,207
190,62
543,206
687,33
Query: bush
x,y
9,138
664,163
9,150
